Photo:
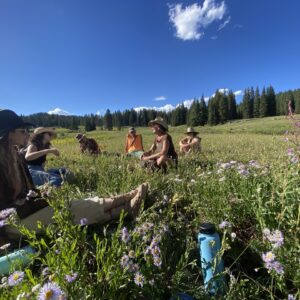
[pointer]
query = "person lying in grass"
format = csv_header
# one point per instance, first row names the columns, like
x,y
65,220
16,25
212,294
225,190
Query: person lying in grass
x,y
162,152
16,188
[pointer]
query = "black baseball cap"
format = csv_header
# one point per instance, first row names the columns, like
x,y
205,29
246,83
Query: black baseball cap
x,y
9,121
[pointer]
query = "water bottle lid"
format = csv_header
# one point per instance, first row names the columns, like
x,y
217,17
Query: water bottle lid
x,y
207,228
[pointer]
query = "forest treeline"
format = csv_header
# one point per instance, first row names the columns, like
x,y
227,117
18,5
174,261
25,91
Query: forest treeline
x,y
219,109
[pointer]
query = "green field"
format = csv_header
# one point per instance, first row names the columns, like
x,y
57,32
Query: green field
x,y
250,195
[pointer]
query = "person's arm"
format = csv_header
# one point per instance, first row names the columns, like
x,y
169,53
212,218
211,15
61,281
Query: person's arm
x,y
142,143
183,142
126,145
164,151
33,154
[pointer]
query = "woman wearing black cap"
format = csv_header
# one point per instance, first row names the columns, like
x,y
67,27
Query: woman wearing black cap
x,y
16,183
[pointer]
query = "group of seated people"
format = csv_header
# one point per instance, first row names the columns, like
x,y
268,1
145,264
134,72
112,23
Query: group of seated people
x,y
18,191
22,168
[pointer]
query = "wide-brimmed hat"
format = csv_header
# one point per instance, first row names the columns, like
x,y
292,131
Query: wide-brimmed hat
x,y
40,130
159,121
9,120
191,130
131,129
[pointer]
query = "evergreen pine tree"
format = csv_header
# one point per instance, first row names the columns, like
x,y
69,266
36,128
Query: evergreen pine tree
x,y
263,106
256,103
107,120
232,114
203,112
271,101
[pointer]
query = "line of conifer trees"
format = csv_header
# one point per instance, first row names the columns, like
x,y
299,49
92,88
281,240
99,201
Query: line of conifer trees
x,y
219,109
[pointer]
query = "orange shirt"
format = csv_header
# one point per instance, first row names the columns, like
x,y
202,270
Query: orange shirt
x,y
134,143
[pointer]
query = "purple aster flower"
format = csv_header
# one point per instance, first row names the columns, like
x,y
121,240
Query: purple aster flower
x,y
125,236
294,159
71,277
291,297
125,261
139,279
275,266
224,224
83,221
147,251
45,271
268,257
133,268
3,223
155,241
290,152
276,238
15,278
50,291
155,251
6,213
157,261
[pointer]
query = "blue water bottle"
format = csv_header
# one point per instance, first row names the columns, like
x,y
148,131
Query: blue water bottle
x,y
212,265
21,256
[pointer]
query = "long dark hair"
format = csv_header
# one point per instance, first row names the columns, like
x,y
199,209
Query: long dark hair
x,y
37,141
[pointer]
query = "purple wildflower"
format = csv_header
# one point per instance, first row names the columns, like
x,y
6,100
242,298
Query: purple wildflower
x,y
290,152
147,251
275,237
157,261
83,221
275,266
45,271
224,224
50,291
6,213
3,223
268,257
139,279
294,159
132,268
155,251
291,297
15,278
125,235
71,277
125,261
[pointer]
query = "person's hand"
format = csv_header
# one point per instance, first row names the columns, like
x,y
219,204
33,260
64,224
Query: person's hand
x,y
54,151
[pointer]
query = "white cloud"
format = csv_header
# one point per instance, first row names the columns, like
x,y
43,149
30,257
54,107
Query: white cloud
x,y
239,93
167,108
221,26
191,20
160,98
238,26
59,111
213,37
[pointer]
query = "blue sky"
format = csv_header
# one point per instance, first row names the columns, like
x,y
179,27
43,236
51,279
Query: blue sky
x,y
87,56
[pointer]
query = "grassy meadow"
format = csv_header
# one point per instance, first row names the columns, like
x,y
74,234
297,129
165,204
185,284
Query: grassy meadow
x,y
243,176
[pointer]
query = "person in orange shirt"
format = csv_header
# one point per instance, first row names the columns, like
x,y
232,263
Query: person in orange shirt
x,y
134,144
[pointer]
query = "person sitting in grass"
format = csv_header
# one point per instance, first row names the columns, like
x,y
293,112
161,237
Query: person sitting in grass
x,y
191,143
162,152
36,154
88,145
134,143
16,188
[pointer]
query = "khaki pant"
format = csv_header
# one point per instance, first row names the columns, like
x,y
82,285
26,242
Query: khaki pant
x,y
90,208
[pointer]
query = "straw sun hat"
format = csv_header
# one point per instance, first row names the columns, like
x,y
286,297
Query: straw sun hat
x,y
191,130
41,130
159,121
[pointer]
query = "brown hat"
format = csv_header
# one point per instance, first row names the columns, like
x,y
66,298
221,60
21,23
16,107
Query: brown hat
x,y
40,130
191,130
159,121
